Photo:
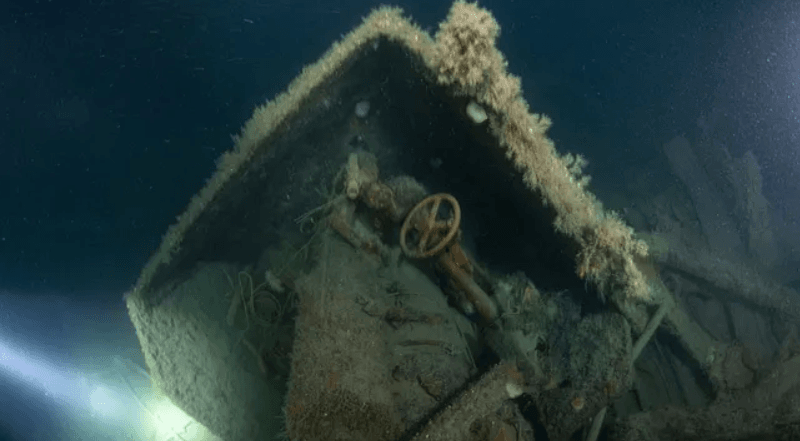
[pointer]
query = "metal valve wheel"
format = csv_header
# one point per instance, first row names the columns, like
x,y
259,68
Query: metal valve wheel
x,y
431,234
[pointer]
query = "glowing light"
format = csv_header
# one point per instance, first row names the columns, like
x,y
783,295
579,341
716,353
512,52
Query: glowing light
x,y
105,403
119,397
38,373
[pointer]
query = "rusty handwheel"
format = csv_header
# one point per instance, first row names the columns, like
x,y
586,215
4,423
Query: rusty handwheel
x,y
432,234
